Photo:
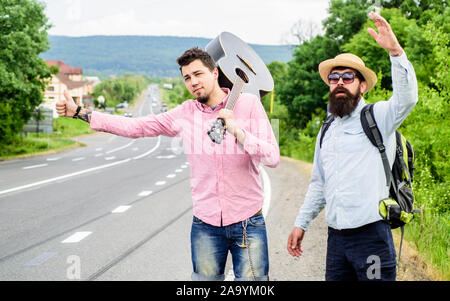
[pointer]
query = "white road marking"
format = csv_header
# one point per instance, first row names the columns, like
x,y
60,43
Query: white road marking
x,y
98,149
145,193
120,148
77,237
178,170
121,209
98,155
159,183
171,176
110,158
165,157
35,166
230,275
78,159
150,151
53,159
183,166
135,149
267,190
63,177
38,260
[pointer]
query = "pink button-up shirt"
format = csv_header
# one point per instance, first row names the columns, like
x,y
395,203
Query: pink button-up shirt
x,y
225,183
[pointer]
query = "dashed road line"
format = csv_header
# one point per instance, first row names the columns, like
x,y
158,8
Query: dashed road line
x,y
62,177
53,159
34,166
38,260
121,209
145,193
78,159
76,237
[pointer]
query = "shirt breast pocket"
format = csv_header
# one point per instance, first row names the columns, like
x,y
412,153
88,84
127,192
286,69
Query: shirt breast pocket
x,y
354,140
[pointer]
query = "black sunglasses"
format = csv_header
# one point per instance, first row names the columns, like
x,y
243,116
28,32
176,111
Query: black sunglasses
x,y
347,77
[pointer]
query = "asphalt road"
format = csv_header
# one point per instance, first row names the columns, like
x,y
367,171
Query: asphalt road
x,y
121,209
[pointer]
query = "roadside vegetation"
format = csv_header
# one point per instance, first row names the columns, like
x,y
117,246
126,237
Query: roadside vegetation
x,y
299,98
423,29
123,89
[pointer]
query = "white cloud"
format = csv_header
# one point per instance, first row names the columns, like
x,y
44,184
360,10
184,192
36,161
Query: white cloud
x,y
255,21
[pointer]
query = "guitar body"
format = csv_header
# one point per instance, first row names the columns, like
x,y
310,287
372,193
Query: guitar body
x,y
231,53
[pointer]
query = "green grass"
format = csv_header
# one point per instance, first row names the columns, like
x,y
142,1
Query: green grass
x,y
32,143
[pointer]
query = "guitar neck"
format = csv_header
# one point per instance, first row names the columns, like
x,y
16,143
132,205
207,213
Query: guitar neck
x,y
235,93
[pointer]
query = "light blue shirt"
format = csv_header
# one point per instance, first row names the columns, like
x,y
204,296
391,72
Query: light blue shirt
x,y
348,177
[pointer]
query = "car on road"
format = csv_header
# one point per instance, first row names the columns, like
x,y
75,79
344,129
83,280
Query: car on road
x,y
128,114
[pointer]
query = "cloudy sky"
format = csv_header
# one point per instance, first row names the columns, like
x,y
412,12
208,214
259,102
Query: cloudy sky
x,y
255,21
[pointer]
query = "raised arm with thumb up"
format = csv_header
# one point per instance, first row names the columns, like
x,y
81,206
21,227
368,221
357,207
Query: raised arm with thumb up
x,y
66,107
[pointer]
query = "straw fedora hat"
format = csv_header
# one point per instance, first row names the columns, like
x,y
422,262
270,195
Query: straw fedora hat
x,y
351,61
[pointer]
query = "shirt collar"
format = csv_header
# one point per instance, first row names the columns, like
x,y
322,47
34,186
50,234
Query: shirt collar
x,y
220,105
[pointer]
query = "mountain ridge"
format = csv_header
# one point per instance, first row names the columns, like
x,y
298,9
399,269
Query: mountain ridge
x,y
154,56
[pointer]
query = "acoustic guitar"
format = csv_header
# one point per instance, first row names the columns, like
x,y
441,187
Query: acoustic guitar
x,y
240,70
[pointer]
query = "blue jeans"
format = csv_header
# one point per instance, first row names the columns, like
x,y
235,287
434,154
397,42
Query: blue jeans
x,y
364,253
210,246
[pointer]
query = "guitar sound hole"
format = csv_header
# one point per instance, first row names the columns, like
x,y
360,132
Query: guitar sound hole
x,y
242,74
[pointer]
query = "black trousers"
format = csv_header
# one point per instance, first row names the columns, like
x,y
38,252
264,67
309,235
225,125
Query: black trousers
x,y
364,253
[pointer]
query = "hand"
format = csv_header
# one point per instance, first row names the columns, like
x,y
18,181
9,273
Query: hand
x,y
385,37
294,244
66,107
228,116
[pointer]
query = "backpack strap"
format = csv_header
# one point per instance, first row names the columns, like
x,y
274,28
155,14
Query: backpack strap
x,y
401,148
370,127
326,124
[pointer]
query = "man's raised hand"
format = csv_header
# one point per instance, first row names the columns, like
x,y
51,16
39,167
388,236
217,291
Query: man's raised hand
x,y
385,36
66,107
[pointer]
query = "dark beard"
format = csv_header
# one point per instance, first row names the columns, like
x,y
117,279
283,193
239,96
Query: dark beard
x,y
343,105
203,99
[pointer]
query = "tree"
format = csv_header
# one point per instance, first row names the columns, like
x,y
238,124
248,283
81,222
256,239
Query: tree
x,y
375,57
346,18
301,31
278,70
23,74
304,91
421,10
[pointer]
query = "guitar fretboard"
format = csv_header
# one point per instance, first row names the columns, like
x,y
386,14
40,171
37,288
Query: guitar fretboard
x,y
235,92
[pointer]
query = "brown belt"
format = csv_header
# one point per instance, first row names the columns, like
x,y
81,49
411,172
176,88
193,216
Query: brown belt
x,y
258,213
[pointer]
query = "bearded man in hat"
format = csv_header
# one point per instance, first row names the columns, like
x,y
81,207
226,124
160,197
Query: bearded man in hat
x,y
348,177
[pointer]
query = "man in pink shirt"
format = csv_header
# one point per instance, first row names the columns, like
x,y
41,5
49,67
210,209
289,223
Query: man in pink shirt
x,y
226,188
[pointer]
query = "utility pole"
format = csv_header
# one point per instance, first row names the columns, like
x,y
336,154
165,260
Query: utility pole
x,y
271,101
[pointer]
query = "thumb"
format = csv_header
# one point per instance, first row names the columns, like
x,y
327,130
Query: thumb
x,y
68,98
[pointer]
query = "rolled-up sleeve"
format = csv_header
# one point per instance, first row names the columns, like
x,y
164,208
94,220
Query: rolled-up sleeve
x,y
390,114
148,126
260,142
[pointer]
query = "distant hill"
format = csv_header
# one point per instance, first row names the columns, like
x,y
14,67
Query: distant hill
x,y
152,55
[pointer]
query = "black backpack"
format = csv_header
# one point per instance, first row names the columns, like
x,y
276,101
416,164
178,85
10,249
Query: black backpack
x,y
397,210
